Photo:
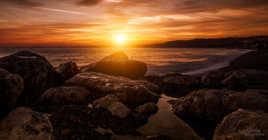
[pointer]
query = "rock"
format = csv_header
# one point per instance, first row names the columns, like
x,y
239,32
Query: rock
x,y
112,104
203,104
243,125
11,86
87,120
37,72
250,99
213,105
246,79
158,138
144,111
205,108
68,70
176,85
73,122
66,96
132,93
87,68
213,79
120,65
118,109
25,124
105,101
251,60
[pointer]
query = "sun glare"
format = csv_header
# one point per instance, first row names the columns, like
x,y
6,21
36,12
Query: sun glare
x,y
120,39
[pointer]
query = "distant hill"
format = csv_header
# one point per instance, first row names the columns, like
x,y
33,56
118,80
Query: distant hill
x,y
239,43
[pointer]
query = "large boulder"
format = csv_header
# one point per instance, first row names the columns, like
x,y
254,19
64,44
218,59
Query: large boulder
x,y
113,105
251,60
120,65
68,70
202,104
11,86
246,79
243,125
130,92
238,79
176,85
37,72
250,99
213,79
25,124
213,105
66,96
142,112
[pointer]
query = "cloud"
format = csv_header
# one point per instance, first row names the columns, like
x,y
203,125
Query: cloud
x,y
89,2
27,3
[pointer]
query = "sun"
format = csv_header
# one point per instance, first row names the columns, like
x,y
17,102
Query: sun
x,y
120,39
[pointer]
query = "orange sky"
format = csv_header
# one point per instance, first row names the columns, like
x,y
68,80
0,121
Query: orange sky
x,y
96,22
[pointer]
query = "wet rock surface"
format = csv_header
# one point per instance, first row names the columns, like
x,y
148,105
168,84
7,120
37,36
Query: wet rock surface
x,y
11,86
37,72
120,65
23,123
68,70
243,125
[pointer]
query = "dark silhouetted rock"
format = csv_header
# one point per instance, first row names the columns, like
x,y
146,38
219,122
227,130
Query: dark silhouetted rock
x,y
132,93
176,85
252,60
120,65
11,86
68,70
37,72
81,122
25,124
213,79
158,138
246,79
250,99
243,125
144,111
213,105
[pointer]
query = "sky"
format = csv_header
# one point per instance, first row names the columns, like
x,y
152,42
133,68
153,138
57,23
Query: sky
x,y
142,22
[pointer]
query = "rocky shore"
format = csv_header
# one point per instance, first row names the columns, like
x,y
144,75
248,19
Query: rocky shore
x,y
112,99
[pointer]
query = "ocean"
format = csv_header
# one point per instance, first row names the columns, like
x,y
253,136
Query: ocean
x,y
160,60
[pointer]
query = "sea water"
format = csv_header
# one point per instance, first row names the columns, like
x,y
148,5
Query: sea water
x,y
159,60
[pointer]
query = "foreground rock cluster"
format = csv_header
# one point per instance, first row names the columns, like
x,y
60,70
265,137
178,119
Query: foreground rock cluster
x,y
231,103
113,98
40,102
